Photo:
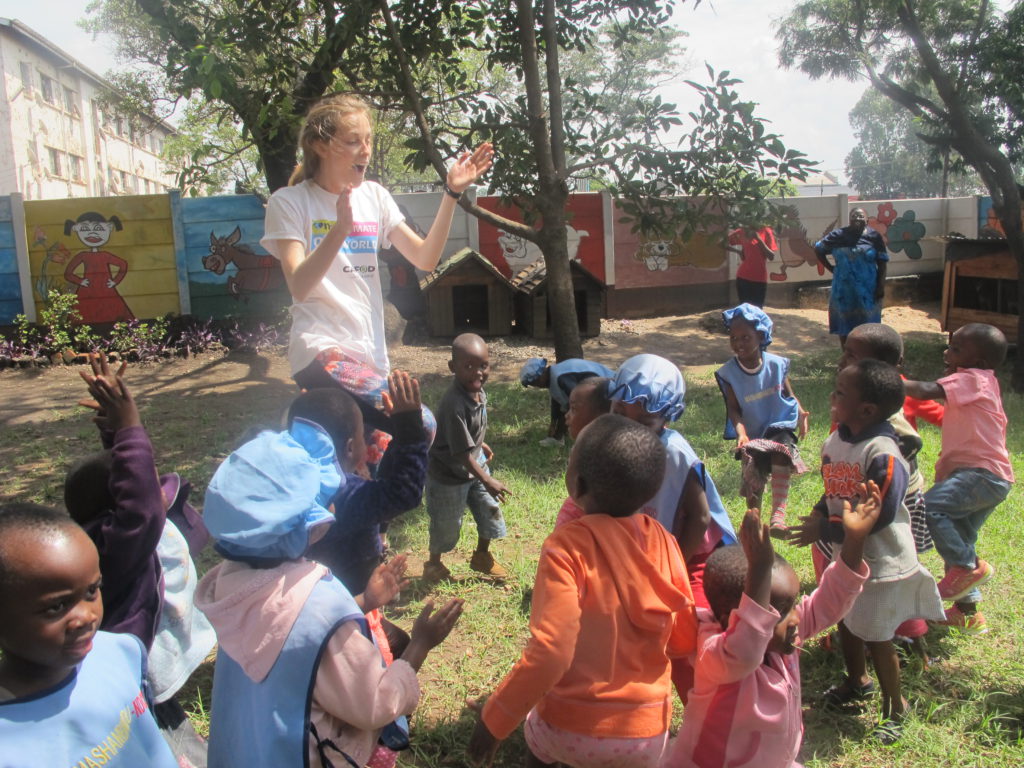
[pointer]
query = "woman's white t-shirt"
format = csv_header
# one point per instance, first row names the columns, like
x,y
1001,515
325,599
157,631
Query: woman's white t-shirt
x,y
345,311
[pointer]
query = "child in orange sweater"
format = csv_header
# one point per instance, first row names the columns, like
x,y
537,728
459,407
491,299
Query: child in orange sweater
x,y
611,606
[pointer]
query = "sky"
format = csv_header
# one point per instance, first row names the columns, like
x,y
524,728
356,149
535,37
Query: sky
x,y
727,34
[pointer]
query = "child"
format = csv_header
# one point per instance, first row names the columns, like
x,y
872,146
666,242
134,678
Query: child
x,y
298,681
588,400
559,379
875,341
457,471
352,548
147,534
650,390
69,694
863,448
762,412
973,474
611,606
744,709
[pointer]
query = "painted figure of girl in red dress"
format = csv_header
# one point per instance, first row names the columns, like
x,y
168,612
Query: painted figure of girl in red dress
x,y
102,271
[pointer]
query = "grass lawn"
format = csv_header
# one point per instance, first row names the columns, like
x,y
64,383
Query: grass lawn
x,y
968,709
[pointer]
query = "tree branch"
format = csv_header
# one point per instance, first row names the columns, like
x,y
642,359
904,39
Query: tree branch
x,y
434,157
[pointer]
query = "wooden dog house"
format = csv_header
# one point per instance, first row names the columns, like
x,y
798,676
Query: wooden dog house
x,y
980,285
532,300
467,293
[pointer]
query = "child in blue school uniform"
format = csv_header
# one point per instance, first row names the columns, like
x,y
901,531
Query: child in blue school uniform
x,y
69,693
650,390
299,679
762,411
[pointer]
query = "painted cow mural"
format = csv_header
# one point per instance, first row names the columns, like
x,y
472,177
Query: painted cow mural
x,y
254,273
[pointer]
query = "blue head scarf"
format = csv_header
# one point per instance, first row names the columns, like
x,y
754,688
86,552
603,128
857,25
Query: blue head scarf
x,y
532,370
753,315
654,382
267,495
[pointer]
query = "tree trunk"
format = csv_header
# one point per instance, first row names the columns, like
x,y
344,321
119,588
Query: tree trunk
x,y
1015,242
278,160
561,299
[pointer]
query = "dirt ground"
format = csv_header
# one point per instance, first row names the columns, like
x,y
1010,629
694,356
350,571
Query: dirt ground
x,y
245,382
211,400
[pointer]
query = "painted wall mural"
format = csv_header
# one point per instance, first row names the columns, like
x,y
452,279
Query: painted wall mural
x,y
253,273
116,254
795,249
224,268
10,280
95,272
585,236
147,255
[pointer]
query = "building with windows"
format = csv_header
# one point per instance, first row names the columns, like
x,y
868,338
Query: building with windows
x,y
56,138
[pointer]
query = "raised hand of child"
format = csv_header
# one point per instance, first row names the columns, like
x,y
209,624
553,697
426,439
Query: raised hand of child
x,y
403,393
483,746
859,519
431,626
385,583
757,546
114,405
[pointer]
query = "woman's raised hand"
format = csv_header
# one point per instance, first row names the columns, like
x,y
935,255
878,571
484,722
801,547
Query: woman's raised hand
x,y
343,210
469,167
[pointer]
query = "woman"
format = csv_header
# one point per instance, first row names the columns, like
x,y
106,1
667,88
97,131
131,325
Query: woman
x,y
326,228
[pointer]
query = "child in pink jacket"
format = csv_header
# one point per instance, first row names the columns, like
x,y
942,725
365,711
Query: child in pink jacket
x,y
744,707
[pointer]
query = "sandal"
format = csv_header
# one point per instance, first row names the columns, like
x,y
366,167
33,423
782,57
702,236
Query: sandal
x,y
888,731
847,693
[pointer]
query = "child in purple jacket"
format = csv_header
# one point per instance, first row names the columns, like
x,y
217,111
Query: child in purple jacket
x,y
146,534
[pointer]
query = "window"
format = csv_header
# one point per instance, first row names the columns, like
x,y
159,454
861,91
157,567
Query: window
x,y
124,181
26,76
49,89
69,100
56,166
75,166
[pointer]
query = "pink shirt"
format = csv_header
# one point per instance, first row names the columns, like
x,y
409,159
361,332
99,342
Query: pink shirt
x,y
744,708
570,511
974,425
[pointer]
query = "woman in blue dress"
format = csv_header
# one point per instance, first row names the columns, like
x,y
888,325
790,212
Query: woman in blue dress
x,y
858,274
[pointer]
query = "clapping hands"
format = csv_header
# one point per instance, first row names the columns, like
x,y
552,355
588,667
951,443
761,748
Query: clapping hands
x,y
114,405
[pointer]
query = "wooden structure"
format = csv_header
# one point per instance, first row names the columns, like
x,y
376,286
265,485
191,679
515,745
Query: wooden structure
x,y
532,312
980,285
467,293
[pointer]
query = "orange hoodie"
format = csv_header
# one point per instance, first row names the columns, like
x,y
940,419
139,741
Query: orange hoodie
x,y
611,605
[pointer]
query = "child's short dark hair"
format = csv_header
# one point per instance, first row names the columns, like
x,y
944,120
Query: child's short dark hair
x,y
885,341
989,341
725,575
87,493
26,516
596,388
879,383
621,463
332,408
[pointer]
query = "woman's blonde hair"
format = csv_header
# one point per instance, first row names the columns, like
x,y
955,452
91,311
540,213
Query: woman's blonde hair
x,y
322,121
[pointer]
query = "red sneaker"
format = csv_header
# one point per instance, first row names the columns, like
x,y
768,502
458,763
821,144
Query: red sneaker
x,y
970,624
958,580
